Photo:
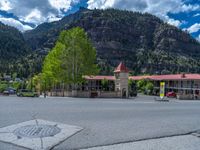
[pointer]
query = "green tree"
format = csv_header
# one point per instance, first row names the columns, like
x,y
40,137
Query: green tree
x,y
14,75
34,83
16,85
105,85
145,86
72,57
52,70
3,87
149,87
141,85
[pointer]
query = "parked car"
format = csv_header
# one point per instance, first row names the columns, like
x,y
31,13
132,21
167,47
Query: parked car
x,y
11,90
6,93
171,94
27,93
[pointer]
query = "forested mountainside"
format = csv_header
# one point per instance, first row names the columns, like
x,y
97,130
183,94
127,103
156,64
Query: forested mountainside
x,y
144,42
12,47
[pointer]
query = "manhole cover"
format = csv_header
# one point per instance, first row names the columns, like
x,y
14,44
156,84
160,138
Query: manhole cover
x,y
37,131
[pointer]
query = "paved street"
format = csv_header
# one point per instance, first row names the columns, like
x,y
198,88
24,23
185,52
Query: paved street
x,y
105,121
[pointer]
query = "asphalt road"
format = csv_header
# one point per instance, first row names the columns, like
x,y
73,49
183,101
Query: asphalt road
x,y
105,121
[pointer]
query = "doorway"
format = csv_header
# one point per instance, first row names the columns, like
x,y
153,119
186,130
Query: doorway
x,y
123,93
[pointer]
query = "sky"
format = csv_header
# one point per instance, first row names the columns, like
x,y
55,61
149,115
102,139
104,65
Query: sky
x,y
28,14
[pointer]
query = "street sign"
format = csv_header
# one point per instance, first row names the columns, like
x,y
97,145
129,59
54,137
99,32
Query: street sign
x,y
162,90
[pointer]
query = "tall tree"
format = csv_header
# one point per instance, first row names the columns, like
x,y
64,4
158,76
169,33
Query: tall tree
x,y
51,71
71,58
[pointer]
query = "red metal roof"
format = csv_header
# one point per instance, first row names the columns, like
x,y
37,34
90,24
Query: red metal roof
x,y
139,77
99,77
152,77
168,77
121,68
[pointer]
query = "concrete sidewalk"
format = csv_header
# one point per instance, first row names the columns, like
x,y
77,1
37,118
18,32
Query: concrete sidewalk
x,y
185,142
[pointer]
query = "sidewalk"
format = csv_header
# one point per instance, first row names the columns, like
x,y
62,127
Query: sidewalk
x,y
185,142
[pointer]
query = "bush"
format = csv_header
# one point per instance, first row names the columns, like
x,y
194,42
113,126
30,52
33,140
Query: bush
x,y
149,88
145,86
3,87
141,85
105,85
16,85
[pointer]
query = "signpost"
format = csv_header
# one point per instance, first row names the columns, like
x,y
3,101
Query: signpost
x,y
162,90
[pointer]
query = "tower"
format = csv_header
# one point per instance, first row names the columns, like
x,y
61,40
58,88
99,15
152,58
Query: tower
x,y
121,80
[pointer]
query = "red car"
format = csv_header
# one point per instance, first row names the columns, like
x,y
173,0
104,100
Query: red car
x,y
171,94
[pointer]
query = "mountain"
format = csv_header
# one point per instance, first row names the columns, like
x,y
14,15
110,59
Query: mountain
x,y
12,47
144,42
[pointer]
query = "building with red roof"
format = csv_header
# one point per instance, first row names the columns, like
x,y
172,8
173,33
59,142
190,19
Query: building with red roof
x,y
187,86
117,83
168,77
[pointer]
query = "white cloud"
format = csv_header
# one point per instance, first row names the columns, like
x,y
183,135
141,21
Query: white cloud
x,y
60,4
15,23
174,22
196,15
5,5
121,4
34,17
102,4
194,28
187,8
37,11
198,38
153,6
160,8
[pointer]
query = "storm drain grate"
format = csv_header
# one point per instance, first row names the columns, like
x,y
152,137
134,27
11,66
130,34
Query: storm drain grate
x,y
37,134
37,131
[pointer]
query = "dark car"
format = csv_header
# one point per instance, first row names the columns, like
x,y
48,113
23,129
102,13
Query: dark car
x,y
11,90
27,93
171,94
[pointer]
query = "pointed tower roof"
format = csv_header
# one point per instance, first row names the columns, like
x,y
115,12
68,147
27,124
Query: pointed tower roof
x,y
121,68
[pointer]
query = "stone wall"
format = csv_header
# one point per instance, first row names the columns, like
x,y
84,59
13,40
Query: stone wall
x,y
60,93
85,94
109,94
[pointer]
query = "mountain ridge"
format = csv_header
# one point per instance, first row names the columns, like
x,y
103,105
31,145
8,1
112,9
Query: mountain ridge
x,y
124,35
144,42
